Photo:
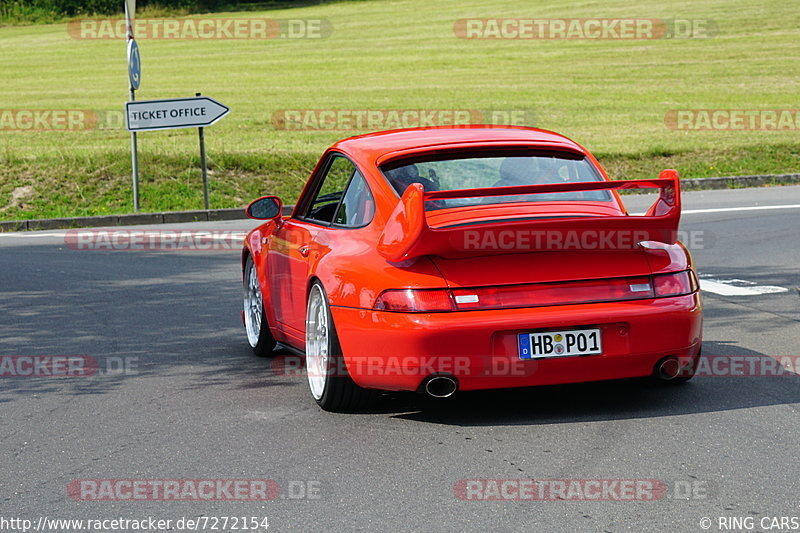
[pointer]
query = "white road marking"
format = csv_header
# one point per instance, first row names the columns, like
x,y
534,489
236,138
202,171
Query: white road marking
x,y
744,208
231,234
738,287
28,234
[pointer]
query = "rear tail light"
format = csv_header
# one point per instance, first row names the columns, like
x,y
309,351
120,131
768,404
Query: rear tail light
x,y
415,301
675,284
537,294
540,294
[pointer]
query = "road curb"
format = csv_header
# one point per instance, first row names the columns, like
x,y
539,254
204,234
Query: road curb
x,y
738,182
236,213
167,217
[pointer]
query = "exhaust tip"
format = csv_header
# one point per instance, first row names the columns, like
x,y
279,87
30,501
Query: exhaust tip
x,y
669,369
441,386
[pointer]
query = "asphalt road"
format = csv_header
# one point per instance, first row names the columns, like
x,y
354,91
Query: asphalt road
x,y
194,403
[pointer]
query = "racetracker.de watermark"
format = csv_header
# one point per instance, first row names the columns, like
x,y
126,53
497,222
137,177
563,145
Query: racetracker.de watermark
x,y
733,119
65,366
188,490
47,366
727,366
581,490
50,120
560,240
173,489
745,366
421,366
202,29
154,240
384,119
613,29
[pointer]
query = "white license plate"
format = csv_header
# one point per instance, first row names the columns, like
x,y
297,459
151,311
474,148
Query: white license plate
x,y
559,343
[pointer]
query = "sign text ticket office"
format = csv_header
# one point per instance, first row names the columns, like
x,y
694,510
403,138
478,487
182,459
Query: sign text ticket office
x,y
197,112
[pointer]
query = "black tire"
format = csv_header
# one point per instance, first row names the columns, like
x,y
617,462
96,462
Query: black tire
x,y
339,392
266,343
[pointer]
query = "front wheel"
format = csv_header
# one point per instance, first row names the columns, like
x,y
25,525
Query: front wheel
x,y
330,384
255,321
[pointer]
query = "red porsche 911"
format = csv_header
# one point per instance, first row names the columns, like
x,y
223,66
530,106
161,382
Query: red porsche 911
x,y
463,258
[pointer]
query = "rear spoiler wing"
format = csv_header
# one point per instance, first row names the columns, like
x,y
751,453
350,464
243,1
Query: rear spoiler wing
x,y
407,234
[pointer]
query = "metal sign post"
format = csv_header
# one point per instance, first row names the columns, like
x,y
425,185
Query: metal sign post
x,y
150,115
134,77
134,165
203,168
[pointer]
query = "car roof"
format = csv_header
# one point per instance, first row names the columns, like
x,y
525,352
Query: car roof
x,y
382,146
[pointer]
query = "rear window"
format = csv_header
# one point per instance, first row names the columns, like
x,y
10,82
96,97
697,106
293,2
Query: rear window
x,y
477,172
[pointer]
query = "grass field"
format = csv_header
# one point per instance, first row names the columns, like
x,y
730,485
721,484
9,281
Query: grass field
x,y
611,96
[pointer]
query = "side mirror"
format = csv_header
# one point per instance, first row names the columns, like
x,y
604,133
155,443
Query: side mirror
x,y
265,208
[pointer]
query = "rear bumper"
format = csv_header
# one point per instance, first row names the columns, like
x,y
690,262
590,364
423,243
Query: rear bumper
x,y
397,351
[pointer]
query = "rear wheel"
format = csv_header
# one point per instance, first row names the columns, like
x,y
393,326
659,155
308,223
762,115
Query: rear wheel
x,y
331,386
255,320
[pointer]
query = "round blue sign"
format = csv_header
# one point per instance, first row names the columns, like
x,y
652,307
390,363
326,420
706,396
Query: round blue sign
x,y
134,64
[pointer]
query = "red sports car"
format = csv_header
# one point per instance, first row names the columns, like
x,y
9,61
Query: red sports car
x,y
462,258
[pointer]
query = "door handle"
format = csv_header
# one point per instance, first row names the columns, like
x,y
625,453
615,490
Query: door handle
x,y
304,251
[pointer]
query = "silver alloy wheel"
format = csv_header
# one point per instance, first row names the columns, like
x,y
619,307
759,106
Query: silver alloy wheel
x,y
252,306
317,342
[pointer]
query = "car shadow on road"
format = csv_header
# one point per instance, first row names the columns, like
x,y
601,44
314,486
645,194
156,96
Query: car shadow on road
x,y
139,315
176,318
611,400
